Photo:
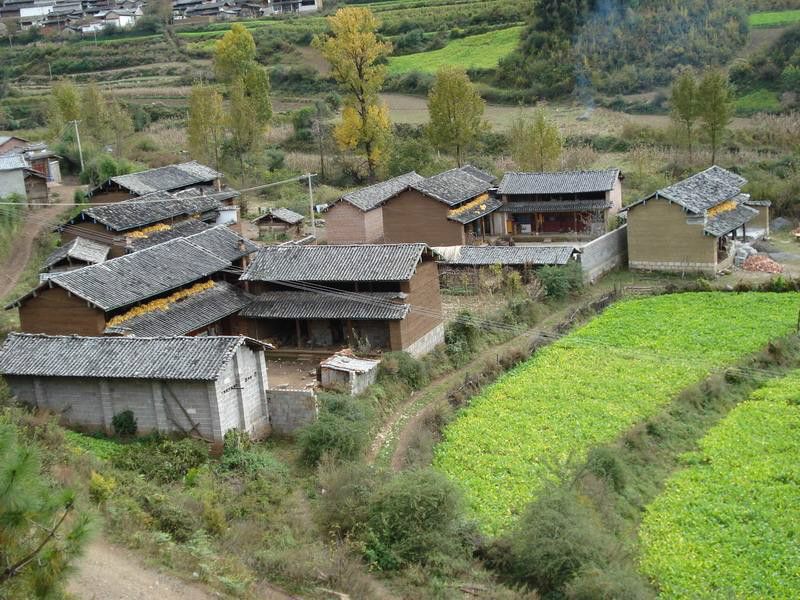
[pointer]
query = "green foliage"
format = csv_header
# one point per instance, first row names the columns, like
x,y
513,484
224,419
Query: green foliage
x,y
715,107
560,281
778,18
729,520
341,431
594,384
403,367
124,423
104,166
413,519
456,111
40,532
462,336
101,488
535,143
162,460
100,447
241,455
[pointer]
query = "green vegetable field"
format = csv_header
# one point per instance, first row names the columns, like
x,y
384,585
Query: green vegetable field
x,y
595,383
729,524
778,18
481,51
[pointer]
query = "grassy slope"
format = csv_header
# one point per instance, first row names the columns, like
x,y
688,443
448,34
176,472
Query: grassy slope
x,y
728,524
478,51
774,18
593,385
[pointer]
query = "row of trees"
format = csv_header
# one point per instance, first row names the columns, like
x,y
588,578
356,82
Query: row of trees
x,y
707,99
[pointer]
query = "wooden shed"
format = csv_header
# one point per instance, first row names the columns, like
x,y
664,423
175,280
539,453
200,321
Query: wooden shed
x,y
347,372
280,220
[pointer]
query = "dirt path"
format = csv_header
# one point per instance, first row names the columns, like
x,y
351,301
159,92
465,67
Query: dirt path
x,y
107,572
36,222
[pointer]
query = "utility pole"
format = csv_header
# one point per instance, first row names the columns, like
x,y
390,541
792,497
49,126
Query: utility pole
x,y
311,207
80,151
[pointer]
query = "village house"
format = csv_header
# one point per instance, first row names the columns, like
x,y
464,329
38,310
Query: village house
x,y
201,386
76,253
89,300
323,298
569,204
357,217
120,225
171,178
690,225
11,142
18,179
280,220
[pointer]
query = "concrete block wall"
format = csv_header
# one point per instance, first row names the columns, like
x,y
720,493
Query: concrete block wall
x,y
290,410
674,267
607,252
427,342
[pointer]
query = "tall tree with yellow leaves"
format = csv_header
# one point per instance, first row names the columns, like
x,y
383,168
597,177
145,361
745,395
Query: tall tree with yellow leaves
x,y
354,51
206,127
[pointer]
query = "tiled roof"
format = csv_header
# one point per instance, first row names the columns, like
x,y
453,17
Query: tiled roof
x,y
374,195
727,221
224,242
564,182
349,364
166,178
181,229
365,262
479,173
545,206
505,255
150,208
122,281
312,305
187,315
12,162
185,358
281,214
81,249
454,186
705,189
474,210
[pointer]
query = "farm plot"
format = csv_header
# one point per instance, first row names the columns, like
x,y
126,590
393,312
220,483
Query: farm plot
x,y
777,18
481,51
729,524
594,384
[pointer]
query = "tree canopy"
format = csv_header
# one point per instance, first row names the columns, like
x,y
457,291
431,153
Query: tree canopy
x,y
456,111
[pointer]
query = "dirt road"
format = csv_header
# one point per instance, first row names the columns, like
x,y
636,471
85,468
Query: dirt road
x,y
36,222
107,572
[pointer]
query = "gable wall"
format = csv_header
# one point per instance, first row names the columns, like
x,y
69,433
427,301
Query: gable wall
x,y
414,217
55,312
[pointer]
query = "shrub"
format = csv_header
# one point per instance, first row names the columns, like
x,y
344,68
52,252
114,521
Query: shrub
x,y
413,519
603,463
461,337
341,437
162,460
124,423
101,488
404,367
343,506
559,282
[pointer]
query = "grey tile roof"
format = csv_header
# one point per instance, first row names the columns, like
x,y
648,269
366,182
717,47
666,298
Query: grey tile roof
x,y
181,229
81,249
185,358
564,182
150,208
187,315
366,262
167,178
546,206
454,186
705,189
505,255
224,242
312,305
476,211
12,162
370,197
727,221
281,214
122,281
479,173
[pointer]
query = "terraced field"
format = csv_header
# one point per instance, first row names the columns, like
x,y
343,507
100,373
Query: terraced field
x,y
593,385
728,525
481,51
777,18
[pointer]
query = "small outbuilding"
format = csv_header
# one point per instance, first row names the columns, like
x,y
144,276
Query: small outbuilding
x,y
280,220
201,386
348,372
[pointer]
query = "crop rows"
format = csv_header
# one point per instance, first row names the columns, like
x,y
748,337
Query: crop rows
x,y
593,385
728,525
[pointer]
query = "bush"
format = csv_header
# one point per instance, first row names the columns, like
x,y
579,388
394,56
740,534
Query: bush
x,y
405,368
413,519
559,282
605,464
343,506
341,432
101,488
462,337
162,460
124,424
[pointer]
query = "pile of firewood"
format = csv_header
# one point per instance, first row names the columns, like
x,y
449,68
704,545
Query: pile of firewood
x,y
761,264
